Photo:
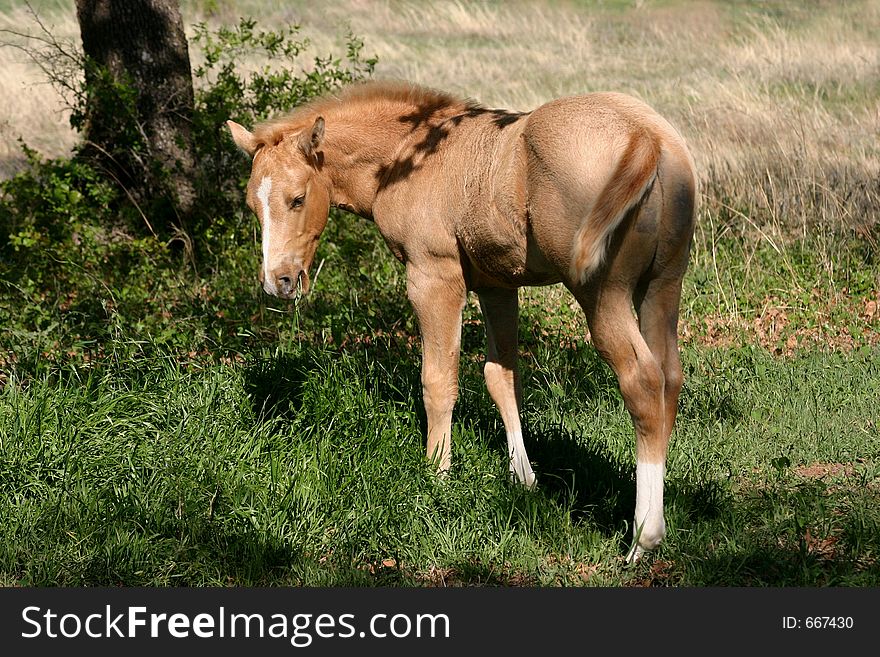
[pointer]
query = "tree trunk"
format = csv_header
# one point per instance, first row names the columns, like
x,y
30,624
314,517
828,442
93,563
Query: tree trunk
x,y
142,46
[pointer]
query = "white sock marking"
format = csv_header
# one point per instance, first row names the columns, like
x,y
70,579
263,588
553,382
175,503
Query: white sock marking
x,y
263,192
649,524
519,460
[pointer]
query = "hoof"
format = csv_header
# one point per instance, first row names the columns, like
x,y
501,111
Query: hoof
x,y
527,479
635,553
646,539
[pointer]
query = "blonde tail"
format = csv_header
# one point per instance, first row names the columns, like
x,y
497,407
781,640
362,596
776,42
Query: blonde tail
x,y
634,174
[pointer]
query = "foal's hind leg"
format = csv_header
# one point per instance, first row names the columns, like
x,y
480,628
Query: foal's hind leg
x,y
500,314
657,305
616,336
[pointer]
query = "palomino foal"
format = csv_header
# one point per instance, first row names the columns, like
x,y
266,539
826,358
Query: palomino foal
x,y
594,191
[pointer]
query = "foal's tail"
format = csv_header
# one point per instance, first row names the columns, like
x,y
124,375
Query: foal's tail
x,y
635,173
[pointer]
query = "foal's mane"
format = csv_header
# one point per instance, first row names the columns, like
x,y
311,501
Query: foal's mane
x,y
374,95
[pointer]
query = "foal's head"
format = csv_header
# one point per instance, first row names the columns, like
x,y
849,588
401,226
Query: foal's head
x,y
291,198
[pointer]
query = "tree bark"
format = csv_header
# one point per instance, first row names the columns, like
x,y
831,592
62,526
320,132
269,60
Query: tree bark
x,y
141,43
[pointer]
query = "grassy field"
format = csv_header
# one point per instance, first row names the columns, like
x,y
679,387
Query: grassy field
x,y
305,467
162,422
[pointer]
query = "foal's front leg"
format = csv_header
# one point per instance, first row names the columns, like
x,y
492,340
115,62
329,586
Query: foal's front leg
x,y
438,298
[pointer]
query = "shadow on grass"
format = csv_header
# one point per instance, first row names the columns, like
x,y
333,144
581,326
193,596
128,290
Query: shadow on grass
x,y
768,559
771,565
276,386
789,533
583,478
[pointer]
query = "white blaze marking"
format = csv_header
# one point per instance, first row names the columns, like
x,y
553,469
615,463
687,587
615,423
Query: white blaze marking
x,y
649,524
263,192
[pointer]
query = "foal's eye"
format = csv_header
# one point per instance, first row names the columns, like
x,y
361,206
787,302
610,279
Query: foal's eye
x,y
297,202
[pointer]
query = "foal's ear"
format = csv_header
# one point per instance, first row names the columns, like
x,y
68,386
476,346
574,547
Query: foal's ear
x,y
310,140
243,138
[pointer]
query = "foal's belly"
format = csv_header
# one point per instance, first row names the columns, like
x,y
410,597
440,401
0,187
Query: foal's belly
x,y
507,260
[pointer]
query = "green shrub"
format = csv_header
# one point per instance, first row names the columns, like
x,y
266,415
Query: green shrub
x,y
83,275
224,92
50,201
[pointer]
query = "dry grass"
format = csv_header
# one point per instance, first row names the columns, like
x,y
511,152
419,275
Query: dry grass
x,y
799,89
30,109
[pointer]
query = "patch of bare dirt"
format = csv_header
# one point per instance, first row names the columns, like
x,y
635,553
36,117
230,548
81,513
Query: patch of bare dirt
x,y
822,470
661,573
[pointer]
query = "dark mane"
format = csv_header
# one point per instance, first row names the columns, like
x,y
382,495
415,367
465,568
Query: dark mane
x,y
378,94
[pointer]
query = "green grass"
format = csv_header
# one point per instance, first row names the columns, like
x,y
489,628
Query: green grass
x,y
304,466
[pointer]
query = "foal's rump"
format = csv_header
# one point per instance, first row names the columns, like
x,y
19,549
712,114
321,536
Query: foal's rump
x,y
591,159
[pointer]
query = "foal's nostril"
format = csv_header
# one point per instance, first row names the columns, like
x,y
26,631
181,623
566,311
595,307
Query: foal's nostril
x,y
285,284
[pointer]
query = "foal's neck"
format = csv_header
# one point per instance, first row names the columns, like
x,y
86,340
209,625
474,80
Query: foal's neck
x,y
365,143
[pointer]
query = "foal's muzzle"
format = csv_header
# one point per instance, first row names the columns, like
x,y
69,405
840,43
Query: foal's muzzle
x,y
286,282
